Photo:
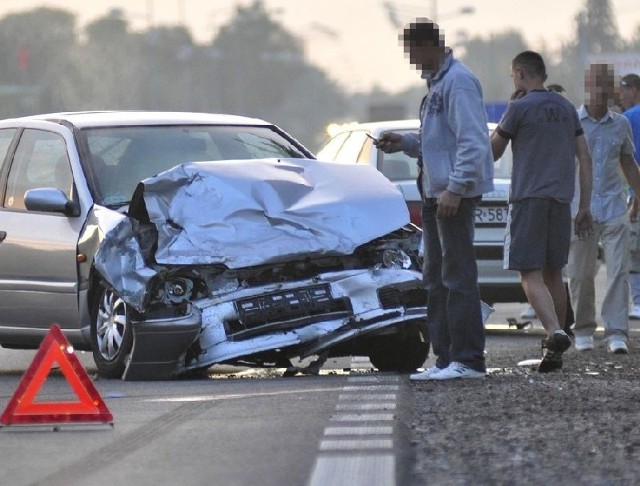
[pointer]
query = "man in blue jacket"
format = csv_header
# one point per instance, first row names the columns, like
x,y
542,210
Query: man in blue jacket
x,y
454,153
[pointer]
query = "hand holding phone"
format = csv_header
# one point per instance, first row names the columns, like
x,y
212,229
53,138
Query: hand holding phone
x,y
389,142
375,140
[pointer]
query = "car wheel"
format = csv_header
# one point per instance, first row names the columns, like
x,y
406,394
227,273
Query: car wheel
x,y
402,352
111,333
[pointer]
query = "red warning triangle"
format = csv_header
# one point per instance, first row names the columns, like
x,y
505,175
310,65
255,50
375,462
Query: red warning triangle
x,y
24,410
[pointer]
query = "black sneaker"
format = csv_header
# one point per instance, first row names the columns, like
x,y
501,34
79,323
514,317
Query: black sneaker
x,y
551,361
559,342
552,349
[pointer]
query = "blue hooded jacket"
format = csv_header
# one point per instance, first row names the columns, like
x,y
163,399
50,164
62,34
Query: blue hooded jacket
x,y
454,139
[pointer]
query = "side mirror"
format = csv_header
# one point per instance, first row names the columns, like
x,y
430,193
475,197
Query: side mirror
x,y
50,200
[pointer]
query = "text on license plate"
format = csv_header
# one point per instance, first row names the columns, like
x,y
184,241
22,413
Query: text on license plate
x,y
491,214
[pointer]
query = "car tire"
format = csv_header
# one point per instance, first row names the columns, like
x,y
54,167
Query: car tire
x,y
111,332
402,352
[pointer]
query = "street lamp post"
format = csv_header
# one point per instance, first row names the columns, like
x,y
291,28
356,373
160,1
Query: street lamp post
x,y
149,14
466,10
182,12
395,11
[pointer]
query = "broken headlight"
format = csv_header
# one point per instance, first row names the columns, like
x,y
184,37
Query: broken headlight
x,y
396,259
177,290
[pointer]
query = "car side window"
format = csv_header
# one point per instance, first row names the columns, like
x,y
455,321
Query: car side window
x,y
330,151
40,160
6,137
398,166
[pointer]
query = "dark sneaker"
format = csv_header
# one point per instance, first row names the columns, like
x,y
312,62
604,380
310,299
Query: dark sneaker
x,y
552,349
559,342
551,361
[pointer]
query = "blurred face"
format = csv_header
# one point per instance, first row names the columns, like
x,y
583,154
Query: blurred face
x,y
599,86
425,56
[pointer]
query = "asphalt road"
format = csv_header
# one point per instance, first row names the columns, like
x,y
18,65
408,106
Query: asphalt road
x,y
349,425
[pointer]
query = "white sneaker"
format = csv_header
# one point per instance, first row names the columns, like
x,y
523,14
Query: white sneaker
x,y
457,370
529,313
634,313
583,343
617,344
426,374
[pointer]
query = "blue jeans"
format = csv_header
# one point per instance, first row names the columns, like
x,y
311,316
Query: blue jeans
x,y
450,276
634,282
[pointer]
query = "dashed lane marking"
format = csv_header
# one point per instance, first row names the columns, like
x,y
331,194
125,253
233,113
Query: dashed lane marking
x,y
364,430
365,470
376,379
367,397
363,417
350,451
371,388
356,444
367,406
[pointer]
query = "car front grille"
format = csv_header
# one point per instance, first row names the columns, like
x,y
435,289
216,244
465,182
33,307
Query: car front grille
x,y
284,310
402,296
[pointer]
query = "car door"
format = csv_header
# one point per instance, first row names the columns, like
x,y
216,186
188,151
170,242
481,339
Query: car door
x,y
38,269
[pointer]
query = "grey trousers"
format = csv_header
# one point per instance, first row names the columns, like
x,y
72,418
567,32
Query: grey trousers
x,y
614,237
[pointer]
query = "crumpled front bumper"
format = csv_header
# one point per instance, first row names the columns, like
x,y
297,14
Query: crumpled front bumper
x,y
159,349
159,345
306,336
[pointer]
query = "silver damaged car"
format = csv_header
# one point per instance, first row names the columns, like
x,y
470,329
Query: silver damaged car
x,y
170,242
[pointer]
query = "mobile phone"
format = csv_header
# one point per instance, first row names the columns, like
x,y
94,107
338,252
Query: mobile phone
x,y
375,140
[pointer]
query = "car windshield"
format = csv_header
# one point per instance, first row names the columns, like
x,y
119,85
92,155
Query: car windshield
x,y
120,157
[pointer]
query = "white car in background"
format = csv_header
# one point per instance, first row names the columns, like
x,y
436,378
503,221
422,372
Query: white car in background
x,y
351,144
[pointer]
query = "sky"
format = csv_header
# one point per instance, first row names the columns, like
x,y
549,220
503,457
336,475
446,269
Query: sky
x,y
354,41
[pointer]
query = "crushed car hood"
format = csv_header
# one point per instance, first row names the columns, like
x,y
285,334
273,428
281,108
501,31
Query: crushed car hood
x,y
248,212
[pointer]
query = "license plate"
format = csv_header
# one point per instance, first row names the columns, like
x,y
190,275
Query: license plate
x,y
491,214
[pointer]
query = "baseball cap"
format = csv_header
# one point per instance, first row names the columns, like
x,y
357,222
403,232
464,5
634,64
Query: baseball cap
x,y
630,80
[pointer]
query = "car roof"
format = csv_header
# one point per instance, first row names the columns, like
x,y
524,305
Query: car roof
x,y
379,127
82,119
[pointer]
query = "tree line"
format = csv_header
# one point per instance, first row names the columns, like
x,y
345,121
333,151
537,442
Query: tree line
x,y
253,67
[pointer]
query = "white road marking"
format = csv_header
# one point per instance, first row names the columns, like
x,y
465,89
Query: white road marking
x,y
376,379
372,388
367,406
355,444
360,397
359,466
363,417
366,430
238,396
362,470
